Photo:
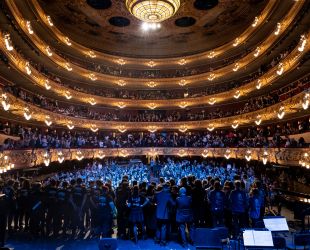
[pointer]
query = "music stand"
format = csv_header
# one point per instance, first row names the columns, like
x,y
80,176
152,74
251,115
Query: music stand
x,y
254,239
276,224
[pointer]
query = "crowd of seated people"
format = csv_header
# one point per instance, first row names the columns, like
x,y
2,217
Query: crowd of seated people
x,y
158,200
80,111
265,136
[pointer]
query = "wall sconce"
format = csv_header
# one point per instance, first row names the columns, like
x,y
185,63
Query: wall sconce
x,y
248,155
49,21
257,51
68,95
123,153
211,54
258,120
183,105
227,154
121,105
212,101
5,102
278,29
305,161
306,101
79,155
152,153
8,42
210,128
6,164
182,62
237,94
280,69
211,77
92,77
27,68
68,66
70,125
92,101
151,64
152,105
265,157
205,153
183,128
48,51
47,84
29,27
235,124
258,84
48,120
182,153
121,128
27,114
121,83
67,41
182,82
46,158
236,67
281,112
93,128
303,42
152,129
236,42
152,84
120,61
100,154
91,54
60,157
255,22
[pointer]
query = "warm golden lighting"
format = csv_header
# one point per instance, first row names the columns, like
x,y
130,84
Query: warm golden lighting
x,y
182,153
258,120
70,125
151,64
255,22
152,129
258,84
182,82
5,102
27,114
67,41
93,128
8,42
257,51
48,120
68,66
48,51
227,154
91,54
235,125
27,68
205,153
120,61
152,84
92,77
236,67
182,62
248,155
152,105
210,128
123,153
46,158
212,101
121,105
303,42
29,27
79,155
306,101
47,84
153,11
280,69
237,94
183,128
121,128
49,20
236,42
60,157
68,95
100,154
211,54
121,83
92,101
183,105
265,157
281,113
278,29
211,77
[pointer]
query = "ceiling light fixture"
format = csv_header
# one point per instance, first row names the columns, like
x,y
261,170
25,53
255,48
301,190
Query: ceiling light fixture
x,y
153,11
150,26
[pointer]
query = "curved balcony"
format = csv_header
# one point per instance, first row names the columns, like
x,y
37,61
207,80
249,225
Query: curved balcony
x,y
28,158
296,105
95,76
257,23
289,63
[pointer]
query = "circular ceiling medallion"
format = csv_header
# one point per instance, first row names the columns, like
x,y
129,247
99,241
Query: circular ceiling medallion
x,y
185,21
205,4
100,4
119,21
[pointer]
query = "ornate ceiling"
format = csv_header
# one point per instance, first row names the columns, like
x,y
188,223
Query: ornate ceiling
x,y
107,26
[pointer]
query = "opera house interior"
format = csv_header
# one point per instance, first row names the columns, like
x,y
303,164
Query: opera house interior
x,y
154,124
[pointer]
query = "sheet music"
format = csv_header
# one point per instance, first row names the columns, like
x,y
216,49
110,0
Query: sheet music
x,y
276,224
253,238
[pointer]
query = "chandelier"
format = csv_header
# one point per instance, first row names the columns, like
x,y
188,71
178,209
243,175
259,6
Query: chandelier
x,y
153,11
